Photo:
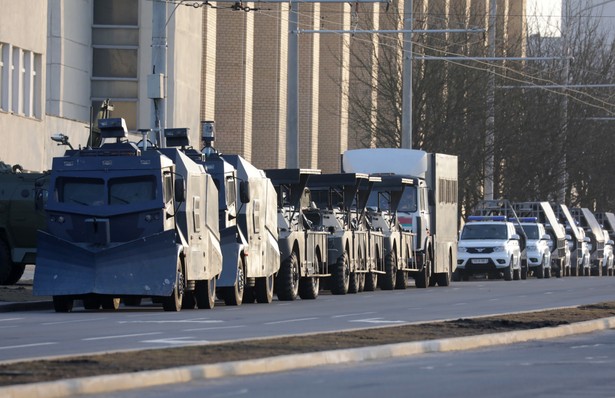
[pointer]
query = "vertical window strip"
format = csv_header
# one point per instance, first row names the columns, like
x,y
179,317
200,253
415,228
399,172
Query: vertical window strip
x,y
28,88
37,87
6,77
17,81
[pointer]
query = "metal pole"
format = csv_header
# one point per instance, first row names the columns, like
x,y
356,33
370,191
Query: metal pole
x,y
406,118
159,65
490,124
564,105
292,96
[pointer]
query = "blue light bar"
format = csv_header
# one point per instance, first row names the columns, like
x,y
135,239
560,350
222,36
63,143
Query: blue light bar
x,y
486,218
528,219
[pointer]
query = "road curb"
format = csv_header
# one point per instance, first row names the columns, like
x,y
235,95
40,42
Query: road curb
x,y
129,381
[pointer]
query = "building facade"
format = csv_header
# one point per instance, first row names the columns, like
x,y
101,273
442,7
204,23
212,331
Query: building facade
x,y
59,62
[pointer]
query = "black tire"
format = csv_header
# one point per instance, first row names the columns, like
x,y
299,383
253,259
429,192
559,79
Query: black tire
x,y
15,274
287,281
353,283
401,280
205,293
62,303
389,278
6,264
540,270
234,295
508,272
264,289
443,279
371,281
361,280
188,301
340,275
174,301
110,303
91,302
309,287
457,275
422,278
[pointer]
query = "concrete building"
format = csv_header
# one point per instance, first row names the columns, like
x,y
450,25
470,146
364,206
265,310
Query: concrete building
x,y
60,59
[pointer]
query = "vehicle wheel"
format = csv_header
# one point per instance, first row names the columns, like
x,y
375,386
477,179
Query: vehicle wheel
x,y
523,272
174,301
516,274
548,272
574,271
309,287
205,293
132,301
6,264
91,302
15,274
62,303
361,279
508,272
421,279
110,303
456,275
371,281
340,275
444,278
559,271
401,280
264,289
287,281
389,278
540,270
234,295
353,283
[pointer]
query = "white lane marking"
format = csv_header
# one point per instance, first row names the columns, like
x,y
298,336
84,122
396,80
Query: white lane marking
x,y
290,321
494,299
9,326
196,320
376,320
460,304
11,319
10,347
574,347
548,292
74,321
355,314
175,340
243,391
214,328
120,336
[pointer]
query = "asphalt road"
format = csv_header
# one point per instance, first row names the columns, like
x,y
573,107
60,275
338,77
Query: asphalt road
x,y
577,366
33,334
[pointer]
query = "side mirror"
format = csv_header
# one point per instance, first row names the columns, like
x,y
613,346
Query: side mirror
x,y
180,190
568,237
609,242
545,237
586,239
244,192
515,237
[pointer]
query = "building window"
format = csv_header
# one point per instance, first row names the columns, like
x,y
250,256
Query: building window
x,y
20,81
115,42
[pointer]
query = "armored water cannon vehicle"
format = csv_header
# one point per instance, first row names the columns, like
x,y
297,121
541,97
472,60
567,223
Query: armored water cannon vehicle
x,y
247,215
607,220
534,213
588,222
303,244
123,223
383,204
22,195
340,211
431,213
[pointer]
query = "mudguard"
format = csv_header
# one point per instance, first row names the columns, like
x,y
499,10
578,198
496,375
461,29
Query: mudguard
x,y
145,266
232,242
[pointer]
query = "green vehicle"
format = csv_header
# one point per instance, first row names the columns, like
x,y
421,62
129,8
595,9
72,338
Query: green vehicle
x,y
21,215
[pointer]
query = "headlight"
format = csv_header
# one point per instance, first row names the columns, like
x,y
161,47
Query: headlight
x,y
462,250
497,249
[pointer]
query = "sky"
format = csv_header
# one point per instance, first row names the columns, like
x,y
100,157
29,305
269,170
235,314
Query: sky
x,y
547,13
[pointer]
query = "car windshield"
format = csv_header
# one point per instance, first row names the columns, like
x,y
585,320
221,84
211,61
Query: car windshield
x,y
484,231
531,231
